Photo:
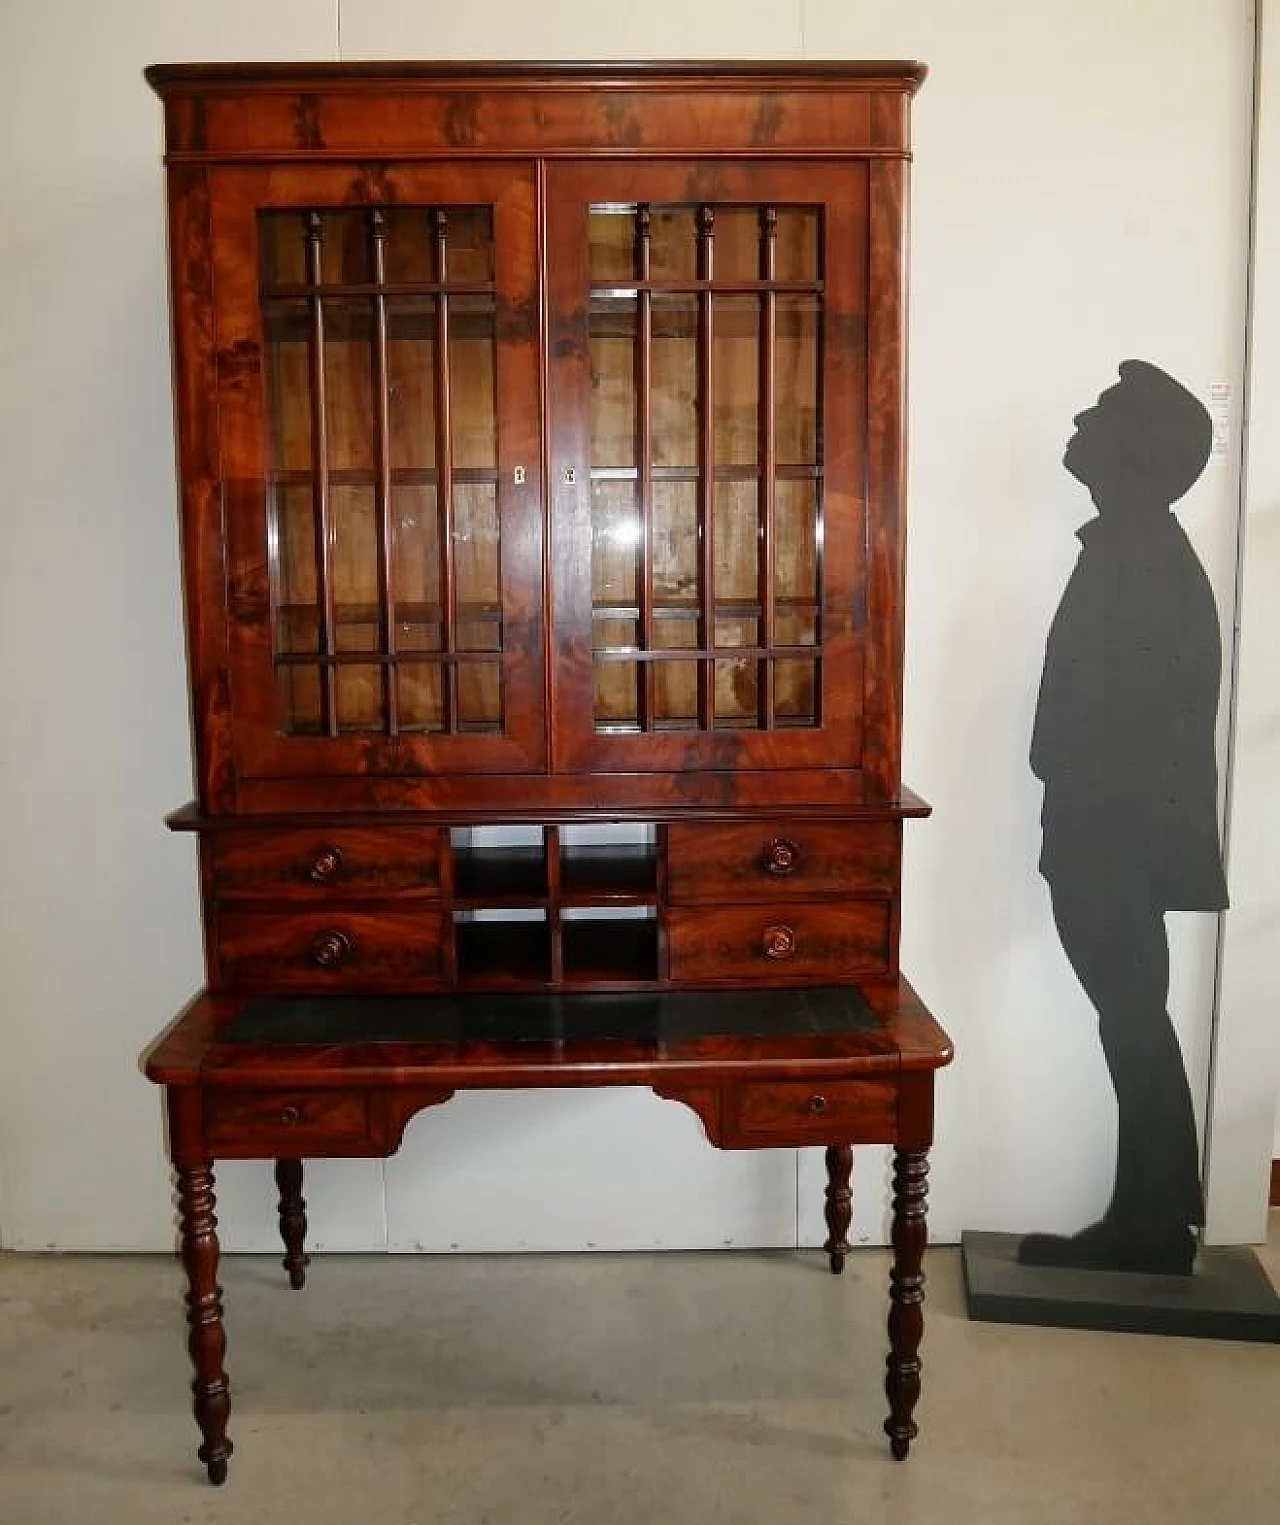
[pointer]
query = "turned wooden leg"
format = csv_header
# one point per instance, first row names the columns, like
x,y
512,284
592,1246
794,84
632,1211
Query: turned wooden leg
x,y
293,1221
906,1296
207,1342
839,1204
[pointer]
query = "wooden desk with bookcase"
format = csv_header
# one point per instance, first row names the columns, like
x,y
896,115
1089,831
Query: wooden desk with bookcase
x,y
541,450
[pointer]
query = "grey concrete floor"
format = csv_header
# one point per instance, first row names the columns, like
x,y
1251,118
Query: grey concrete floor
x,y
608,1389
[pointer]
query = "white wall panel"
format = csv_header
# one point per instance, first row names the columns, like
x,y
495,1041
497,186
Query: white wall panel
x,y
1079,197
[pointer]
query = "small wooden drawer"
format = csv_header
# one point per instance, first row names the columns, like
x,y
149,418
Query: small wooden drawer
x,y
321,862
282,1123
779,860
341,948
750,944
812,1112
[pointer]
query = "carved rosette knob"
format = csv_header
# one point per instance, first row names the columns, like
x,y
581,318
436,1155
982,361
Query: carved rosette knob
x,y
781,856
326,864
779,942
330,949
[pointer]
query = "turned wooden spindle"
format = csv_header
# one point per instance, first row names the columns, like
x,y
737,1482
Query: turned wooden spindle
x,y
906,1296
207,1341
293,1221
839,1210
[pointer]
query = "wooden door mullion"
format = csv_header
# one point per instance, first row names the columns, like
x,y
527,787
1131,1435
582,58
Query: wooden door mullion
x,y
321,519
382,480
644,470
707,467
768,462
444,466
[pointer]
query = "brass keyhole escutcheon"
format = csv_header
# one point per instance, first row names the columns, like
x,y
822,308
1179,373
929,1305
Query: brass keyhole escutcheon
x,y
817,1104
289,1116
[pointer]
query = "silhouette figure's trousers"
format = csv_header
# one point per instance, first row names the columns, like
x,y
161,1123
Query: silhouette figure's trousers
x,y
1115,940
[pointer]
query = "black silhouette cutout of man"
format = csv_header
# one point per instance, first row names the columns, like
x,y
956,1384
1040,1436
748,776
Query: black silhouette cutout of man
x,y
1124,743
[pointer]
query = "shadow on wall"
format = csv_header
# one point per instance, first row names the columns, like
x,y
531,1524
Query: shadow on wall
x,y
1124,744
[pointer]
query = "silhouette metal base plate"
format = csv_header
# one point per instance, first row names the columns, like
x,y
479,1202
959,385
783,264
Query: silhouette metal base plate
x,y
1228,1295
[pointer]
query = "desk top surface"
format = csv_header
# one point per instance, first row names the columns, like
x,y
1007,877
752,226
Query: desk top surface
x,y
509,1039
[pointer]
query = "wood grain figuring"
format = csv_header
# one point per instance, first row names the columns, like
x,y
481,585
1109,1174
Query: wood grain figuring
x,y
386,946
778,859
831,941
317,864
274,1124
846,1111
541,447
196,424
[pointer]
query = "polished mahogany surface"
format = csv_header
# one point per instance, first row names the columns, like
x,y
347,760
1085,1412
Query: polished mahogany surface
x,y
541,445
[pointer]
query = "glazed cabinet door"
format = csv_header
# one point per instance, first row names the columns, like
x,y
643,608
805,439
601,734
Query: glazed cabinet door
x,y
379,429
709,417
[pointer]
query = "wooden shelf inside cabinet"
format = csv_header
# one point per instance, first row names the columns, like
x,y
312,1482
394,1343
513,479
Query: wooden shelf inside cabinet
x,y
503,955
624,874
610,952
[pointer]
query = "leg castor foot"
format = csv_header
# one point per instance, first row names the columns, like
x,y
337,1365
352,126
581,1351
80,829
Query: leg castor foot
x,y
906,1296
839,1208
293,1222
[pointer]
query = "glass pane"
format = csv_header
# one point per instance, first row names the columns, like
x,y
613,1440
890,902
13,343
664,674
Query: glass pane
x,y
471,382
415,562
736,542
287,328
469,245
293,557
736,692
611,232
791,629
299,691
345,248
737,243
614,634
476,550
479,696
421,693
675,542
615,542
673,244
675,694
359,694
354,520
797,380
617,693
795,691
736,341
675,381
282,241
348,381
411,378
795,552
406,245
796,251
613,382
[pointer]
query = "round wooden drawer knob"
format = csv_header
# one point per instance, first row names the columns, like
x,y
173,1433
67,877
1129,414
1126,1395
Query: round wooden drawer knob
x,y
781,857
289,1116
327,863
779,942
330,949
817,1104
